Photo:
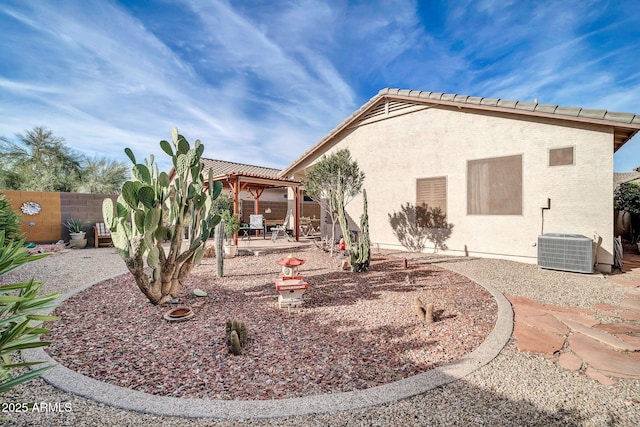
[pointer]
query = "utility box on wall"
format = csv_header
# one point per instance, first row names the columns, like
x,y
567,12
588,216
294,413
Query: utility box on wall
x,y
566,252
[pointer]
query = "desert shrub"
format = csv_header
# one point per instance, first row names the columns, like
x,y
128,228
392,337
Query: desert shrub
x,y
21,323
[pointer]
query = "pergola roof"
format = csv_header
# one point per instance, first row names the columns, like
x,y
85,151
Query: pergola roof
x,y
253,179
254,176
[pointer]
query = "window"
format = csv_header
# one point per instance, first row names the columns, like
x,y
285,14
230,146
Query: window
x,y
432,192
494,186
561,156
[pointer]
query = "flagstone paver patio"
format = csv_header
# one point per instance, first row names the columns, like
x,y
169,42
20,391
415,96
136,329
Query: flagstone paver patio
x,y
576,337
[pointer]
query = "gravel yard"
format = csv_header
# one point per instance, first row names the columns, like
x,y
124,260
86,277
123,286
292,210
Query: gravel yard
x,y
355,331
514,389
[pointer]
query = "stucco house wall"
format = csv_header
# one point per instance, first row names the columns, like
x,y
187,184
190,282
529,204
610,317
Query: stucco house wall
x,y
400,136
394,152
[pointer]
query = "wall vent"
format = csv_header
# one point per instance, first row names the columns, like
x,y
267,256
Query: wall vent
x,y
566,252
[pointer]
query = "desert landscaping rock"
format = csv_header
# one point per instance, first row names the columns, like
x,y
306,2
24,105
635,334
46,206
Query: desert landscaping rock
x,y
516,388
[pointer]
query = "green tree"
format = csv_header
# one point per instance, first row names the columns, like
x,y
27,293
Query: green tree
x,y
626,198
333,182
152,209
39,161
9,219
100,175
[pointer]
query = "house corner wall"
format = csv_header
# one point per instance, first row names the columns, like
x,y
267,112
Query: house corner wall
x,y
437,142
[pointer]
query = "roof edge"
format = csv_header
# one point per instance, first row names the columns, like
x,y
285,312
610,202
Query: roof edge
x,y
629,121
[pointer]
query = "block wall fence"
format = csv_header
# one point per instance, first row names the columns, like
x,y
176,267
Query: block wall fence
x,y
47,226
278,210
56,208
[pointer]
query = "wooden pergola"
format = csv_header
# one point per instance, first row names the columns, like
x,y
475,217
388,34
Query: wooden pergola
x,y
255,185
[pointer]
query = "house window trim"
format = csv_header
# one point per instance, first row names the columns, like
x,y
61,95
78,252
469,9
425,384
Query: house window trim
x,y
522,189
573,163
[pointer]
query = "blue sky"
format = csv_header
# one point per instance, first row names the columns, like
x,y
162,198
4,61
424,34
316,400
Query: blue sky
x,y
260,81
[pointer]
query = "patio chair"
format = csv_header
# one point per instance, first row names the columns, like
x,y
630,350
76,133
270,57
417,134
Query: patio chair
x,y
101,232
256,223
281,228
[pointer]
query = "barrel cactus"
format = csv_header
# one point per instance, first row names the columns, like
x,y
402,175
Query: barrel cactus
x,y
154,208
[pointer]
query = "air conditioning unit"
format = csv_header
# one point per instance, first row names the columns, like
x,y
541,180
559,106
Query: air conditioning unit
x,y
566,252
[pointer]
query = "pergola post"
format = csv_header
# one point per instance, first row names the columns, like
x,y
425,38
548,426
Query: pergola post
x,y
236,204
296,193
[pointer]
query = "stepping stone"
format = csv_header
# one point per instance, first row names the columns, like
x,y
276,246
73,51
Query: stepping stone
x,y
568,309
595,375
514,300
575,317
634,293
602,307
528,311
630,314
602,336
535,340
618,328
603,358
608,313
570,361
546,322
630,339
631,303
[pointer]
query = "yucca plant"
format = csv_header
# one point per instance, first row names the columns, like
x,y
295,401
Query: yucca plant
x,y
21,317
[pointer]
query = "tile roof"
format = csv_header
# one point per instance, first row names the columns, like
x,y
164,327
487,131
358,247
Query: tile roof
x,y
625,125
622,177
221,167
517,105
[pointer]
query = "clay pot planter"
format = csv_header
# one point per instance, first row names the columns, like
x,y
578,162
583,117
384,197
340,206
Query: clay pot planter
x,y
178,314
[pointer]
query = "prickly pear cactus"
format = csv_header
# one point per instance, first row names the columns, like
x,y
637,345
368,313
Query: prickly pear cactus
x,y
153,208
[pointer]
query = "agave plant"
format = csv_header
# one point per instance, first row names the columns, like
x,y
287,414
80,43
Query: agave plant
x,y
20,314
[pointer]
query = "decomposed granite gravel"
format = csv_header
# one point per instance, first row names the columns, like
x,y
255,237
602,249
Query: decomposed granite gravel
x,y
515,388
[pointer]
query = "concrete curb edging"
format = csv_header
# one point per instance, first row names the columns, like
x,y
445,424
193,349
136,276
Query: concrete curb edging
x,y
72,382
